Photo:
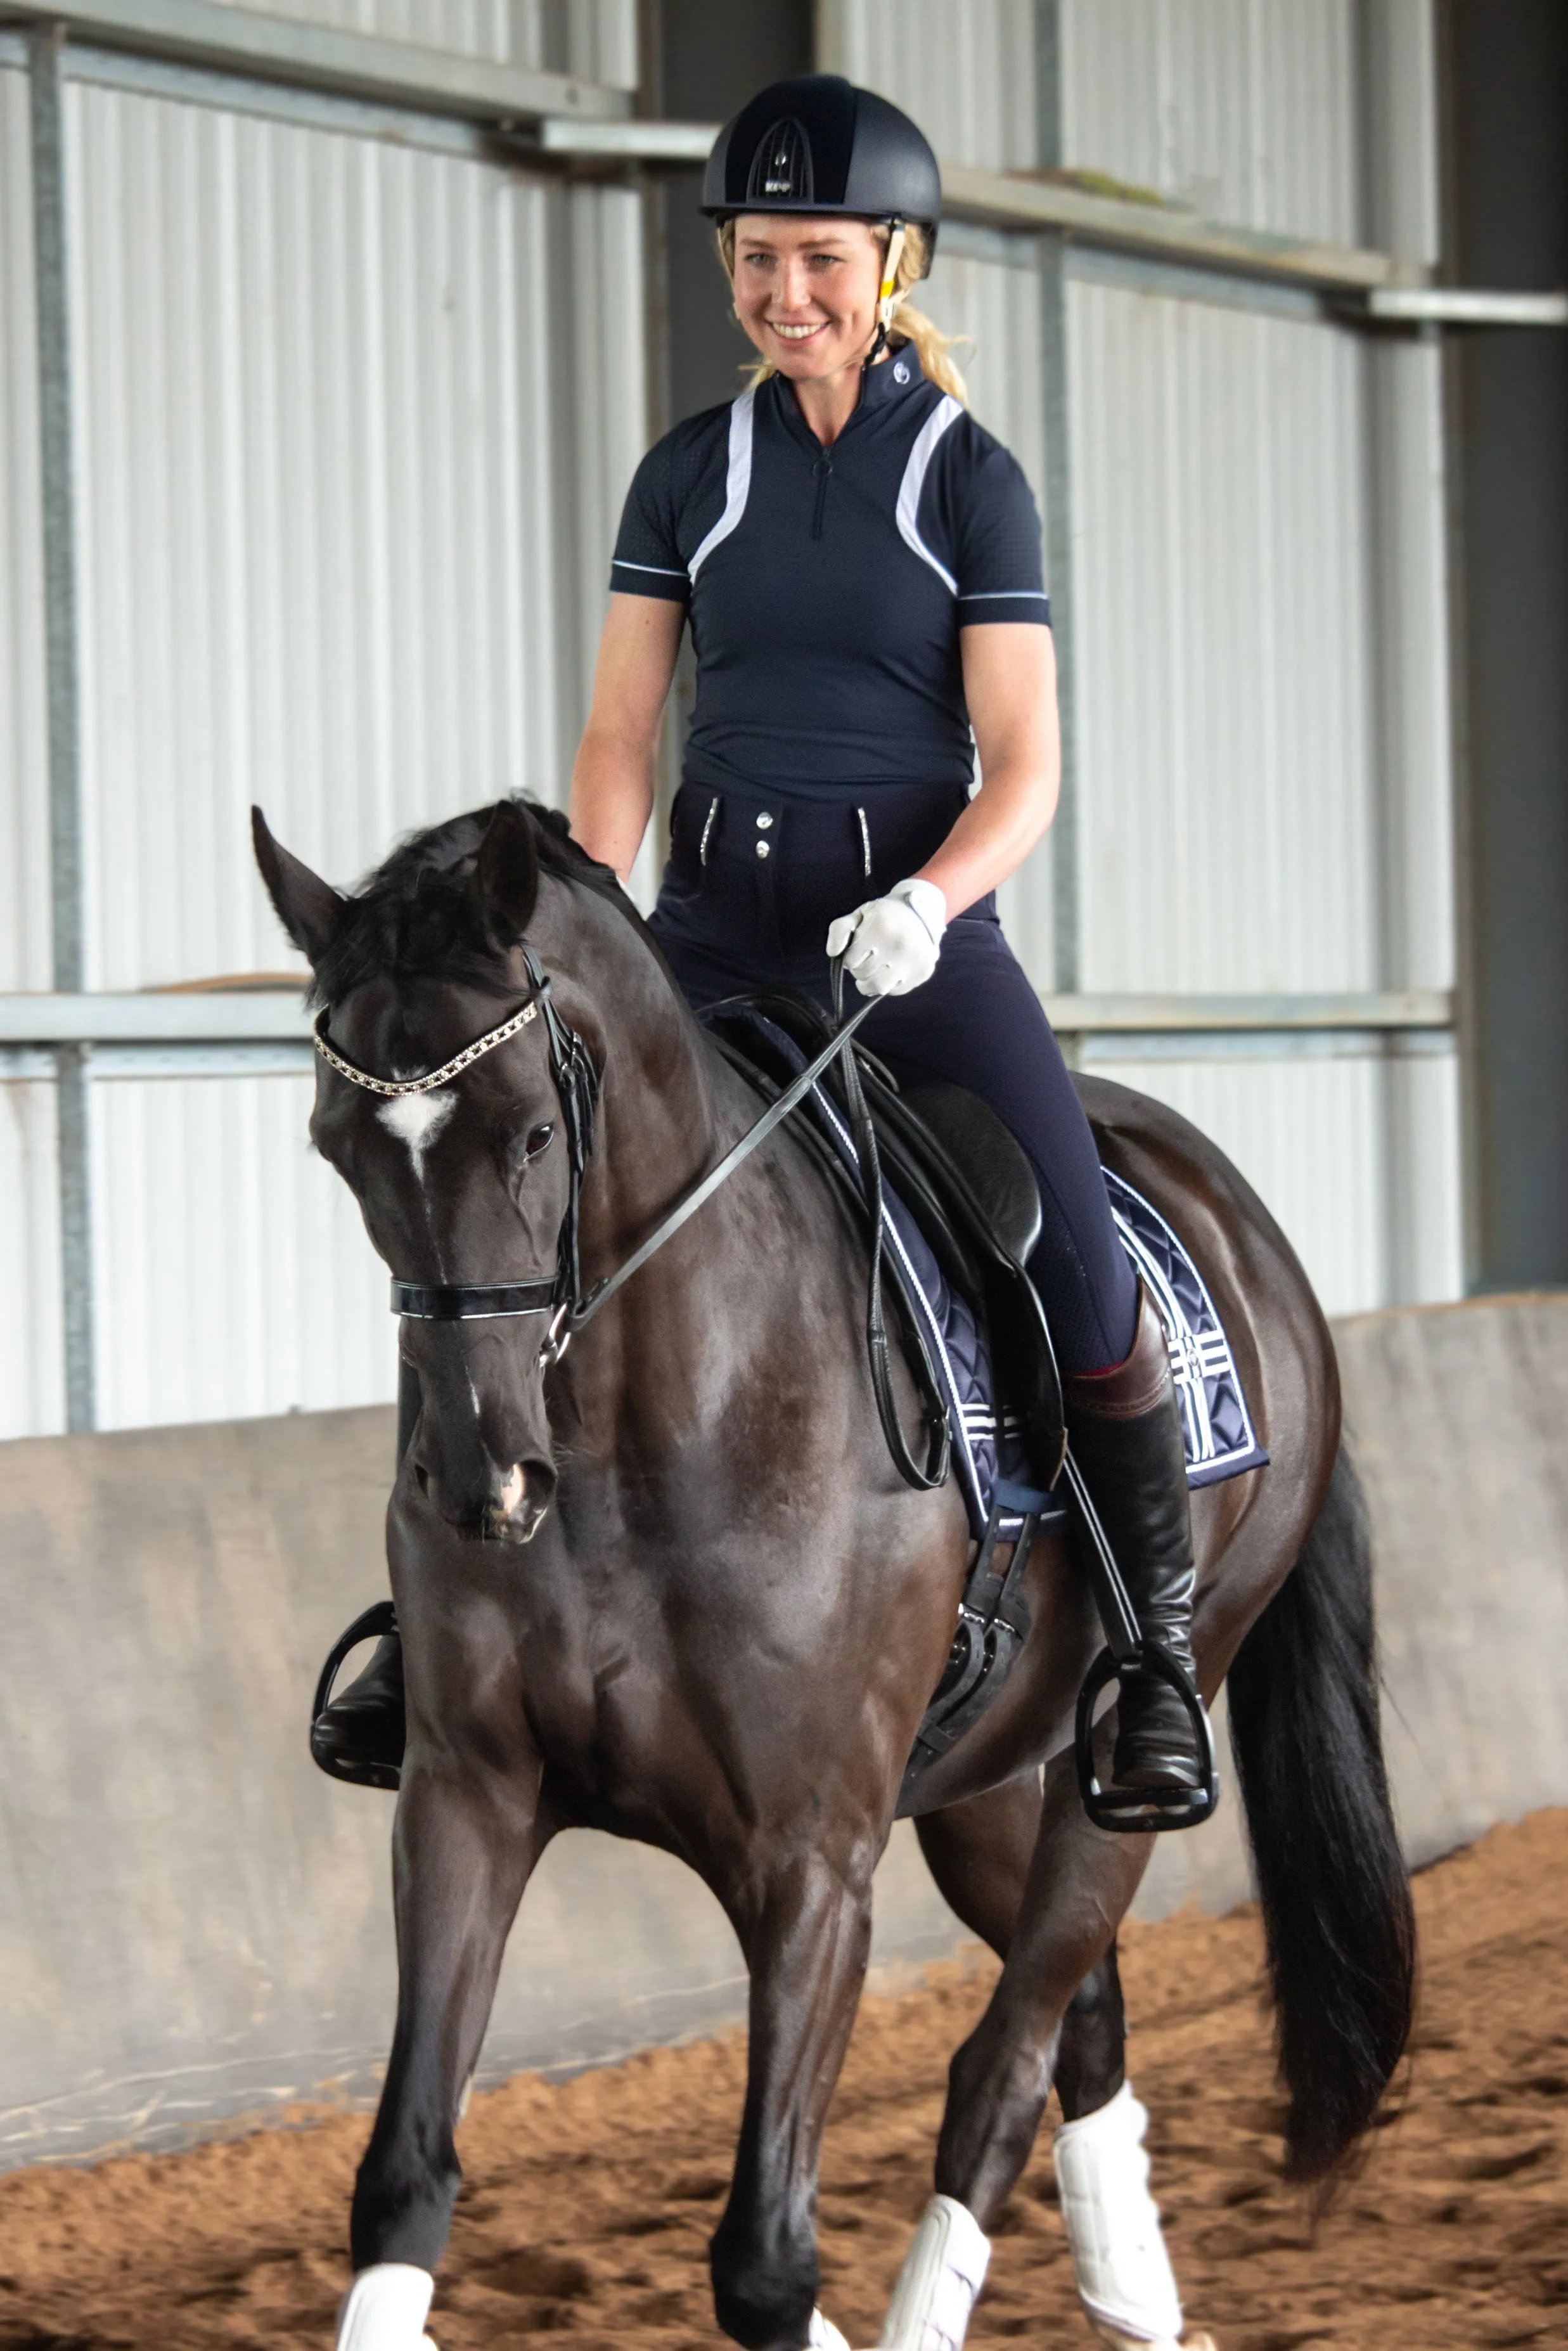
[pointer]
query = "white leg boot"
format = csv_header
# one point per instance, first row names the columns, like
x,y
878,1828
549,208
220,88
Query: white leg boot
x,y
1126,2282
943,2273
385,2310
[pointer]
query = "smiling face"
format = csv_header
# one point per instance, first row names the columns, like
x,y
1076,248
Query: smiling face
x,y
806,290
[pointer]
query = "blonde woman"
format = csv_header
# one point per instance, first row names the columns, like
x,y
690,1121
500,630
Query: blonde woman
x,y
859,563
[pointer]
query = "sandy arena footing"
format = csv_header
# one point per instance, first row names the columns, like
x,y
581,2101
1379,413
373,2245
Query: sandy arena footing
x,y
587,2207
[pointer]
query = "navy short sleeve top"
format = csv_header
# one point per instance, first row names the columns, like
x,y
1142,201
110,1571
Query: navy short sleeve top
x,y
826,588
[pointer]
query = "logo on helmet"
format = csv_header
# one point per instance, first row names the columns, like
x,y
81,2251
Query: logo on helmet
x,y
782,164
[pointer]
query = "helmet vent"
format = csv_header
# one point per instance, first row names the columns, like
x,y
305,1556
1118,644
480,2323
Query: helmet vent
x,y
781,167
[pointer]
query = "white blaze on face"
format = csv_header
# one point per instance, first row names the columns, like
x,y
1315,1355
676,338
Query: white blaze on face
x,y
417,1120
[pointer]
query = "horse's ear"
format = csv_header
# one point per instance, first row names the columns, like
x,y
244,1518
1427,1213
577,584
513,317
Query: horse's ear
x,y
506,874
309,908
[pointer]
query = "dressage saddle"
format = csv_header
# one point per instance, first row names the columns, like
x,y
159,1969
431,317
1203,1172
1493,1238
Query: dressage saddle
x,y
963,1178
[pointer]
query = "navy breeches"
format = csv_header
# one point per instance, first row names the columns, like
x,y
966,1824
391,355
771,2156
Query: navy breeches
x,y
752,883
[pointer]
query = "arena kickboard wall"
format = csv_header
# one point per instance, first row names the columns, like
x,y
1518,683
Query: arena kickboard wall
x,y
196,1925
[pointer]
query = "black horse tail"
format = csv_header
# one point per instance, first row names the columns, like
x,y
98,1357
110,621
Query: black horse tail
x,y
1335,1897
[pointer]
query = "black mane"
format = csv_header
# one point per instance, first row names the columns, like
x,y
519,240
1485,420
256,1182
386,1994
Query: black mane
x,y
415,917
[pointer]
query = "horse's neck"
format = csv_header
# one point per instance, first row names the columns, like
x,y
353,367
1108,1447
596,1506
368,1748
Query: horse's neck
x,y
668,1104
738,1286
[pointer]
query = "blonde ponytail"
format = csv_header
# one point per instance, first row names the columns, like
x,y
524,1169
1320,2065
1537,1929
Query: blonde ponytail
x,y
930,345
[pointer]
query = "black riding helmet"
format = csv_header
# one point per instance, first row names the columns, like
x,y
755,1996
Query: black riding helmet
x,y
817,144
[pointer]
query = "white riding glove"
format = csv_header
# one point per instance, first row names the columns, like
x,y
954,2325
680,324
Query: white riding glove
x,y
890,945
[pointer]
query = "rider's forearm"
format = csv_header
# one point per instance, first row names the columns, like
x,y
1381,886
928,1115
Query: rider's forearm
x,y
1008,815
612,798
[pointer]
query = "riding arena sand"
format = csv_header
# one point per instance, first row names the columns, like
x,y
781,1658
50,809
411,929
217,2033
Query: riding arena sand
x,y
587,2205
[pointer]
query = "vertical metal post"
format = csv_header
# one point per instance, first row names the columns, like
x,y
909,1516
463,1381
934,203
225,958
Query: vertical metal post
x,y
1412,748
1052,251
46,87
1505,76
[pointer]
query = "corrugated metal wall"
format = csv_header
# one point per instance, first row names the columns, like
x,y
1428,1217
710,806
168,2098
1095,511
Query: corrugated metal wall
x,y
1256,531
316,535
352,419
233,1273
967,73
1247,109
1225,657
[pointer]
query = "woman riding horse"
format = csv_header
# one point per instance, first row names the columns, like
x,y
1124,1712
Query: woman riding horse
x,y
727,1629
859,562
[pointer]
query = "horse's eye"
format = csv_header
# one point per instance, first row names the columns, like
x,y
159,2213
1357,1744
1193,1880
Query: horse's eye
x,y
539,1140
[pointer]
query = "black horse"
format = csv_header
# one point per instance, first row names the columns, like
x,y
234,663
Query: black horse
x,y
670,1584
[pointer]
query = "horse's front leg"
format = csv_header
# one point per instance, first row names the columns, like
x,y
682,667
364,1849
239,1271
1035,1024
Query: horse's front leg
x,y
806,1944
466,1838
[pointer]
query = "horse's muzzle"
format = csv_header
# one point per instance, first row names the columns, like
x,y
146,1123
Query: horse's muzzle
x,y
507,1506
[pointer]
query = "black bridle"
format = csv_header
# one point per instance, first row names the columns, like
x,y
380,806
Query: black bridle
x,y
562,1295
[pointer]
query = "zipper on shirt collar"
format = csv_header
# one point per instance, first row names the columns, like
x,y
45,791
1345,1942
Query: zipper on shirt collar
x,y
822,471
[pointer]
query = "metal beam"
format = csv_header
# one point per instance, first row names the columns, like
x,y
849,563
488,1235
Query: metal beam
x,y
323,57
641,142
1505,118
1392,1009
1391,288
1459,306
1388,1046
1012,200
1051,262
57,466
277,1016
56,471
198,1017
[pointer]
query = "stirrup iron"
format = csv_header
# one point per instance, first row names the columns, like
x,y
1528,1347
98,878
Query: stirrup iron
x,y
1139,1811
370,1625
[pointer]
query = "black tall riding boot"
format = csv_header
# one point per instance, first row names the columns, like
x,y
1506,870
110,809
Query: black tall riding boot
x,y
365,1728
1125,1426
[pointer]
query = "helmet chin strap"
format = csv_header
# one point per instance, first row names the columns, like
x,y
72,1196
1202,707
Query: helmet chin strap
x,y
887,300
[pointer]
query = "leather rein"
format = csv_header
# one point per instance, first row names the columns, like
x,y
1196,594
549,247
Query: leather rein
x,y
562,1296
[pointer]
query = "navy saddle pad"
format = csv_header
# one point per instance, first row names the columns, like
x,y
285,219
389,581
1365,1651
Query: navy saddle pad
x,y
987,1458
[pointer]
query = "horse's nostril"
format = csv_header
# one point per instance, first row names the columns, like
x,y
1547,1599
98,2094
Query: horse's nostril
x,y
520,1501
